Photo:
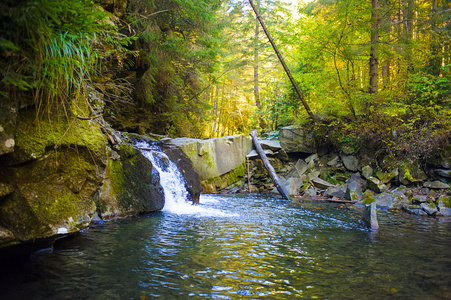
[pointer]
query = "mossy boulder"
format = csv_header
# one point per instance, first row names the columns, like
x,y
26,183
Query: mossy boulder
x,y
48,182
131,185
52,195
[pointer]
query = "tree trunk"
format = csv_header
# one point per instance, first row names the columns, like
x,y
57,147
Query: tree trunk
x,y
374,55
256,87
216,110
269,168
285,67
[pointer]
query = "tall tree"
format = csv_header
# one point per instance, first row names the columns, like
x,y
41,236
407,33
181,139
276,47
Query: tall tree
x,y
374,52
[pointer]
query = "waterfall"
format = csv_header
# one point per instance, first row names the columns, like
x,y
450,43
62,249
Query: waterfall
x,y
173,183
171,179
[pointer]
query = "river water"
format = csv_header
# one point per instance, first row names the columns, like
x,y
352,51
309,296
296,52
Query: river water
x,y
243,247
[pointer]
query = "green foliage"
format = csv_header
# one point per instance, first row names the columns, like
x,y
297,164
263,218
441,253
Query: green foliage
x,y
47,47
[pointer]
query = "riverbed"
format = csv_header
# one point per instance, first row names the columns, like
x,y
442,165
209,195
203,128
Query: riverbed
x,y
243,247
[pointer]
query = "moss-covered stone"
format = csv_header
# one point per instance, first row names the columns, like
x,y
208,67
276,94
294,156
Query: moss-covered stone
x,y
131,185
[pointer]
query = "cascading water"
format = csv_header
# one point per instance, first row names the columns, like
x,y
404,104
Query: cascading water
x,y
173,183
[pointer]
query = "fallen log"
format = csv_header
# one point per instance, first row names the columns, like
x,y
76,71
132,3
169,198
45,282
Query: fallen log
x,y
269,168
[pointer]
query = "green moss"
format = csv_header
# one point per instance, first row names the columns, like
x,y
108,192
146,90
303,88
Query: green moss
x,y
35,135
446,201
368,197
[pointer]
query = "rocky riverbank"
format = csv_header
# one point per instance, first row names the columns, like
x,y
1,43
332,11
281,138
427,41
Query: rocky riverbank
x,y
309,171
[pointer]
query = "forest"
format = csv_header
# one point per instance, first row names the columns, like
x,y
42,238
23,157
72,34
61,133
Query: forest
x,y
376,74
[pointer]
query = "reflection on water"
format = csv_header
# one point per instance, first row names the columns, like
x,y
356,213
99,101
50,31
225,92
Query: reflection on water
x,y
248,247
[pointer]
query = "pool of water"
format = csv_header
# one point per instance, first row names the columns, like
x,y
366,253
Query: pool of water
x,y
243,247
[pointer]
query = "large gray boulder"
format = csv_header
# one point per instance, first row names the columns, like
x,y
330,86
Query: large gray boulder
x,y
214,157
297,139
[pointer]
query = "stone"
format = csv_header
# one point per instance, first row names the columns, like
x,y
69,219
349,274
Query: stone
x,y
311,158
313,174
350,162
297,139
6,237
335,162
321,184
272,145
214,157
367,172
376,185
436,185
353,191
444,201
400,202
8,115
369,217
419,198
293,185
443,173
445,211
384,200
5,189
338,192
310,191
301,167
429,208
387,177
254,154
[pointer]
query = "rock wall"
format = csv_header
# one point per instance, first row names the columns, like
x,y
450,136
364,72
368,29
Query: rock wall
x,y
63,171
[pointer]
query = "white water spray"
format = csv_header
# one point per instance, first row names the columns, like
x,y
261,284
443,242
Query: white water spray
x,y
173,183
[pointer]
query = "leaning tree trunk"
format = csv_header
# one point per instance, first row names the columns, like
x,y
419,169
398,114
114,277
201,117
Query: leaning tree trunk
x,y
282,61
271,171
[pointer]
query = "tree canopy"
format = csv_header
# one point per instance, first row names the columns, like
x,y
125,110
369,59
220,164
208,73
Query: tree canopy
x,y
374,72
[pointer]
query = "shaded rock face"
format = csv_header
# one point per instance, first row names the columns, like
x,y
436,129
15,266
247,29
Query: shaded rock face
x,y
297,139
184,164
213,158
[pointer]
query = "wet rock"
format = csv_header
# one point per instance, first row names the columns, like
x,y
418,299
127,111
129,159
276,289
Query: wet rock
x,y
415,210
367,172
385,200
6,237
376,185
338,192
436,185
183,163
369,217
350,162
321,184
311,158
297,139
429,208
